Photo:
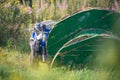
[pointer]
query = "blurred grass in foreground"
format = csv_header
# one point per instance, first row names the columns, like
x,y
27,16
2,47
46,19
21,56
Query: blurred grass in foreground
x,y
15,66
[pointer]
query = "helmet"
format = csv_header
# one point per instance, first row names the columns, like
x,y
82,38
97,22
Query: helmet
x,y
38,26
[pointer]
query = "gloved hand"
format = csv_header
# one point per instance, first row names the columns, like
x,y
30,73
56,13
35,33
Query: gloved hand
x,y
39,36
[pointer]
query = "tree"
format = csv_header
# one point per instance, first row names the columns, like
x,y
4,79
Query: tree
x,y
26,2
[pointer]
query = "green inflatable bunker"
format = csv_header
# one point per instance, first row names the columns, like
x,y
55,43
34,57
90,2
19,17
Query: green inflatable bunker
x,y
76,38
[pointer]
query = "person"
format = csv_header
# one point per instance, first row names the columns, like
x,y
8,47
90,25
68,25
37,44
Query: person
x,y
38,38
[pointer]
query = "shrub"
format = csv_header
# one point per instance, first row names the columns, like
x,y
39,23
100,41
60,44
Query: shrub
x,y
14,18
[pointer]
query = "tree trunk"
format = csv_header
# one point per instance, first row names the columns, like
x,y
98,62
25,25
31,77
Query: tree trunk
x,y
84,4
30,4
40,3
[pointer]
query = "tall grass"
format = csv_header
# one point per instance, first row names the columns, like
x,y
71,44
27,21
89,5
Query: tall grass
x,y
15,66
57,9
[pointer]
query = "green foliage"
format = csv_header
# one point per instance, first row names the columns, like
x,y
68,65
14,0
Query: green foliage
x,y
4,72
57,9
15,66
14,18
59,74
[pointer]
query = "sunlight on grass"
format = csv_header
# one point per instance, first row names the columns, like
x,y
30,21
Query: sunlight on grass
x,y
109,56
16,66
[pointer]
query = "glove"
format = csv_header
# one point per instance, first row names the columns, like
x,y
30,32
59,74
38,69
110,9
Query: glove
x,y
39,36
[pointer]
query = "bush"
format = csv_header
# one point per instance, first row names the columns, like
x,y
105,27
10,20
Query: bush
x,y
14,18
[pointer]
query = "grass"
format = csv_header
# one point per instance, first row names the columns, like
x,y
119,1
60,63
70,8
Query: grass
x,y
15,66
